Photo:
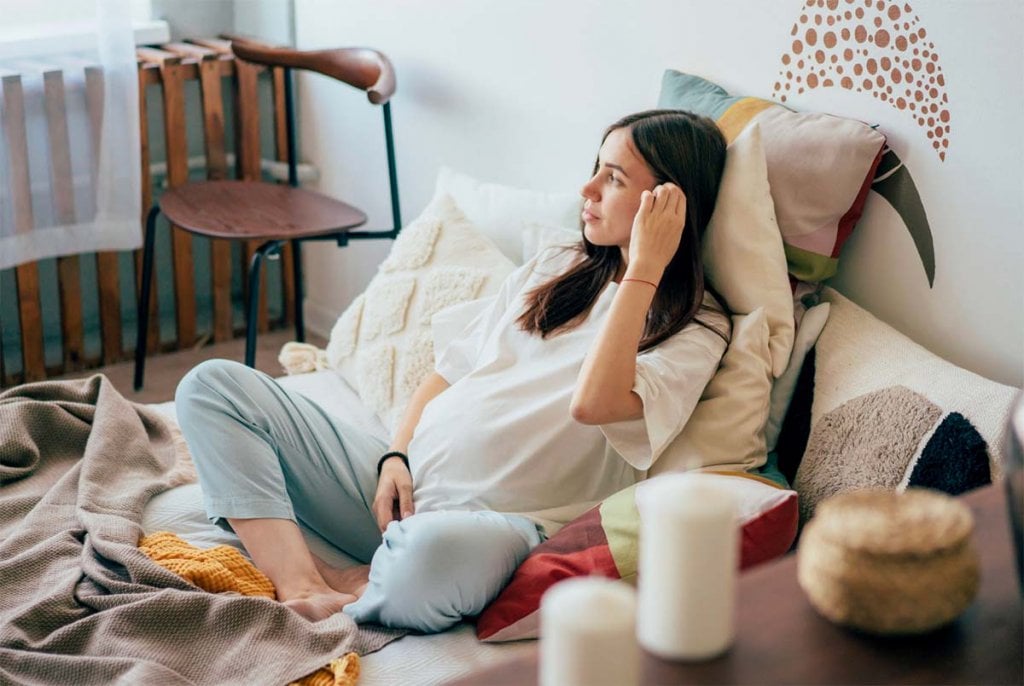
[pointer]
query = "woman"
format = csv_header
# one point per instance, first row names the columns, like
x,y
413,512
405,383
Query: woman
x,y
556,393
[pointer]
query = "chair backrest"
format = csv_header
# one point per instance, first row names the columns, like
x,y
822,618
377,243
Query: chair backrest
x,y
363,68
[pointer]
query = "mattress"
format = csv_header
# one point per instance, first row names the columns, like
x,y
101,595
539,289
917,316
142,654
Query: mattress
x,y
433,659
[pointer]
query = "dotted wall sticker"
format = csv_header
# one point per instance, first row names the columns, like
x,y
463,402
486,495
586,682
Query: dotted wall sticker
x,y
869,46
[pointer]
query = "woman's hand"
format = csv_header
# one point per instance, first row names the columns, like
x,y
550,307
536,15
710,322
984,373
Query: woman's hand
x,y
657,230
393,499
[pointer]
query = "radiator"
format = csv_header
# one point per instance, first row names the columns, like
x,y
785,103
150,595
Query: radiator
x,y
78,312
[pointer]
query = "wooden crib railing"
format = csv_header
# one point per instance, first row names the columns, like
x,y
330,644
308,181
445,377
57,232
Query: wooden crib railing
x,y
169,67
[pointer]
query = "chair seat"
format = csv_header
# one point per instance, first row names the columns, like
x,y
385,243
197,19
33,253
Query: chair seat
x,y
255,209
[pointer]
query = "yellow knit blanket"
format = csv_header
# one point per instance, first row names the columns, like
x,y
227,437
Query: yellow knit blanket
x,y
223,569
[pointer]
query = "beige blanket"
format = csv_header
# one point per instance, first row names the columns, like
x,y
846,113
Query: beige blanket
x,y
79,602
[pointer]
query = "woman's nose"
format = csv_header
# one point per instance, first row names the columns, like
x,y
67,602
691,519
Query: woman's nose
x,y
589,190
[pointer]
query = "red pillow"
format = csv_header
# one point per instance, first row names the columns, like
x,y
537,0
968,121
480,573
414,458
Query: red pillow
x,y
603,542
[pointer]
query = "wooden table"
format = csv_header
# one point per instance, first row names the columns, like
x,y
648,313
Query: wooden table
x,y
781,639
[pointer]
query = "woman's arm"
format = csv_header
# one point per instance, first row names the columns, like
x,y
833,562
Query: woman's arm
x,y
604,389
393,499
431,386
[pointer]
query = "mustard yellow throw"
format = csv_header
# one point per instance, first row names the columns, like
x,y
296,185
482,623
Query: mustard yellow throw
x,y
217,570
223,569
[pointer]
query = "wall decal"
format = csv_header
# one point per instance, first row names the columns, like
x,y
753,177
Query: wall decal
x,y
877,47
894,183
869,46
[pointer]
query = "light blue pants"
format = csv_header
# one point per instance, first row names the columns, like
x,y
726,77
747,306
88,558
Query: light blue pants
x,y
264,452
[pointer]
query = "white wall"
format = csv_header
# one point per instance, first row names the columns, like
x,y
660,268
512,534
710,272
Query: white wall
x,y
191,19
271,20
21,17
519,92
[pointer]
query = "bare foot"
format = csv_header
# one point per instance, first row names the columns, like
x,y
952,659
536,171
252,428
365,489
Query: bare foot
x,y
351,580
317,606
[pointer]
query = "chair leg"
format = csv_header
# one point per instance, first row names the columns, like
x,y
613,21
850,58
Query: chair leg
x,y
300,321
142,316
253,305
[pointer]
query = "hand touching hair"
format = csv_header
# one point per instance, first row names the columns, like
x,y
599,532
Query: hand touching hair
x,y
679,148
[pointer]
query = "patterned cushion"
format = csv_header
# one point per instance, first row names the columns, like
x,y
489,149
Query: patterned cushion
x,y
887,413
604,541
820,167
381,343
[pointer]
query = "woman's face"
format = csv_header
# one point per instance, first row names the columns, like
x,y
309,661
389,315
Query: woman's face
x,y
613,193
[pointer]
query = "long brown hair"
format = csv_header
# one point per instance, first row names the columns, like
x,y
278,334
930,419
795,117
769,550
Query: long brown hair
x,y
679,147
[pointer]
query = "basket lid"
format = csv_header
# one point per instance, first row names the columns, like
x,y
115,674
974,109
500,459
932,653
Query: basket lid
x,y
916,522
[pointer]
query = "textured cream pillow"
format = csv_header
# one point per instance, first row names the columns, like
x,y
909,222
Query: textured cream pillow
x,y
726,428
743,255
888,413
382,343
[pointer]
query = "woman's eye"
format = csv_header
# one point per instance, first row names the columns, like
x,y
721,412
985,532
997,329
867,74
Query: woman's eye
x,y
613,178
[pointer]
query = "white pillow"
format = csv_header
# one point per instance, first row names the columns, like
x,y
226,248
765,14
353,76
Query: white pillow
x,y
743,255
726,429
537,236
502,212
382,343
807,333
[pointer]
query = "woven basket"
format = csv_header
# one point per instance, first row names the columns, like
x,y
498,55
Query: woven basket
x,y
889,563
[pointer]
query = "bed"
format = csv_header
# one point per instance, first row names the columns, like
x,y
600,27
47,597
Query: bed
x,y
443,246
443,242
412,659
518,223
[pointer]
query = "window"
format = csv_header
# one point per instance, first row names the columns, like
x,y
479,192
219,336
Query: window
x,y
32,28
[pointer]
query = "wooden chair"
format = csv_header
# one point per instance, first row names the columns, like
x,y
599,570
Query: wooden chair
x,y
269,212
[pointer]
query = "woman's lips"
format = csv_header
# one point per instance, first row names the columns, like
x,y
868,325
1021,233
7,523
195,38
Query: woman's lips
x,y
589,216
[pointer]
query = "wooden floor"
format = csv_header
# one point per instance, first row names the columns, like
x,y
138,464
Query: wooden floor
x,y
163,372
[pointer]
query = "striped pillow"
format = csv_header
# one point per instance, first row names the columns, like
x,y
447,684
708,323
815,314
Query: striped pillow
x,y
820,167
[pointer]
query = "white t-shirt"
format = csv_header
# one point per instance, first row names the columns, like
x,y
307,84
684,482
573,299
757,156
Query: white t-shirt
x,y
502,438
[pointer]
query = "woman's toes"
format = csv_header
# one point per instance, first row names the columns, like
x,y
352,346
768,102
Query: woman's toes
x,y
319,606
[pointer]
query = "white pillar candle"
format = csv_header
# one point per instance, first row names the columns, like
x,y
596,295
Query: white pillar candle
x,y
588,634
689,553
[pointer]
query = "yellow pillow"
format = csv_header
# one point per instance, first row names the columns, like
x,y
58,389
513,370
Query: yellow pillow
x,y
726,429
744,259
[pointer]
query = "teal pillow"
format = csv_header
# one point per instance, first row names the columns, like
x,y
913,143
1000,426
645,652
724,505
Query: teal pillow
x,y
770,470
820,167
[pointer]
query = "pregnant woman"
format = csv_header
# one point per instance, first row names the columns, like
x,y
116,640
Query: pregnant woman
x,y
550,396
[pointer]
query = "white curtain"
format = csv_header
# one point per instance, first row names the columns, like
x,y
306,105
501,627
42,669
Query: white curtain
x,y
69,142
